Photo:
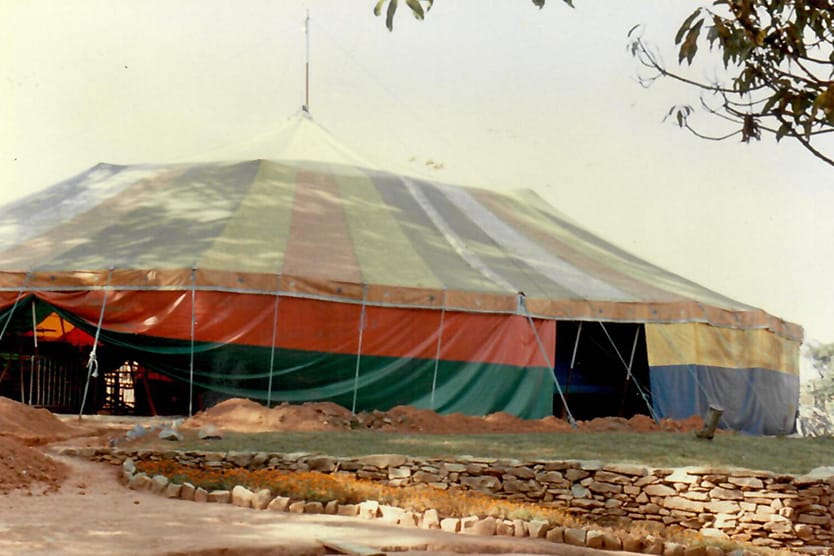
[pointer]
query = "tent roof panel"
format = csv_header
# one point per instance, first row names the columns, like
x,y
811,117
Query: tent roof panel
x,y
339,232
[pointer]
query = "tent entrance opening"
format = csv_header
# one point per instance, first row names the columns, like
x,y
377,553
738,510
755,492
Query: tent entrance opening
x,y
603,369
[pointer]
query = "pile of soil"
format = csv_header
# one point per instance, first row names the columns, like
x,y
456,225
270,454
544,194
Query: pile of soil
x,y
32,426
247,416
22,467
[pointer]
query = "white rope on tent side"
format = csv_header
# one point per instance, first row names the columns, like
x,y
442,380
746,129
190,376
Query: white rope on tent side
x,y
573,356
627,366
274,340
633,352
92,361
523,305
191,354
575,346
437,350
359,347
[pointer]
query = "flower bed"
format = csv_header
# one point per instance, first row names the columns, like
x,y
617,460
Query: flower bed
x,y
320,487
419,505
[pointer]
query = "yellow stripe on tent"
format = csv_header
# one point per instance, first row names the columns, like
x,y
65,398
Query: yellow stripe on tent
x,y
703,344
384,252
255,236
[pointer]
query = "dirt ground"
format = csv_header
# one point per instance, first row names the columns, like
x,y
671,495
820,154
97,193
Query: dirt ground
x,y
248,416
54,505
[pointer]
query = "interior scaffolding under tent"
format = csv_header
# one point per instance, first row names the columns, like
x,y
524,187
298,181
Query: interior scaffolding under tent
x,y
298,280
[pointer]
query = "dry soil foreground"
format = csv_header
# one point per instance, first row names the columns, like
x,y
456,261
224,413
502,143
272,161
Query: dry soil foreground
x,y
60,506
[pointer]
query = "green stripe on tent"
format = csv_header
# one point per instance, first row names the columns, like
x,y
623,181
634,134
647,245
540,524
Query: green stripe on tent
x,y
385,254
170,228
230,370
255,237
505,264
584,257
49,249
428,242
666,285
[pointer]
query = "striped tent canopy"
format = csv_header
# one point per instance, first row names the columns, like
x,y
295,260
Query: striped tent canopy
x,y
287,280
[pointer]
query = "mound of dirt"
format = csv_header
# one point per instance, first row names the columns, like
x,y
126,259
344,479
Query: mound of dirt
x,y
22,467
248,416
32,426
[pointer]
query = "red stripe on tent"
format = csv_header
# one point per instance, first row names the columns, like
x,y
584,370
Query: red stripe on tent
x,y
314,325
7,299
319,244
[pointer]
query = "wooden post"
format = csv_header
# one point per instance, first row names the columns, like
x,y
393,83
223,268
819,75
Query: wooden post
x,y
710,423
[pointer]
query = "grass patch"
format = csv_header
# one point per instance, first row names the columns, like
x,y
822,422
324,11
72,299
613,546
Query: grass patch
x,y
777,454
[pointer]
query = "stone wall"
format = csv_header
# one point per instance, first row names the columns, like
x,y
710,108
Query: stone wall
x,y
765,509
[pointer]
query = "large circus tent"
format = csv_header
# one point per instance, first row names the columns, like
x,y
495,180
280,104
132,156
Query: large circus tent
x,y
309,277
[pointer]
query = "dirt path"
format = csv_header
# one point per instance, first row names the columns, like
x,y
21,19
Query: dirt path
x,y
92,514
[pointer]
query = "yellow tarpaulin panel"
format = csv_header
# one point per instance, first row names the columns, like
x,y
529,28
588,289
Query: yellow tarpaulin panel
x,y
693,343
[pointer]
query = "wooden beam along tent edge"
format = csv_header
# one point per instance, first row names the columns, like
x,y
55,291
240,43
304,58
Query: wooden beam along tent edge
x,y
297,281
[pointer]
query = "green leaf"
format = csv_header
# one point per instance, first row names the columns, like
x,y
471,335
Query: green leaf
x,y
771,102
389,17
680,112
687,23
690,44
378,7
783,130
416,8
539,3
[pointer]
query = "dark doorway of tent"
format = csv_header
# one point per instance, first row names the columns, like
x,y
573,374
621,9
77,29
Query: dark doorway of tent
x,y
44,362
602,369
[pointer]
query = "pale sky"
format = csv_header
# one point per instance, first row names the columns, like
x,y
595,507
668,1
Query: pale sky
x,y
503,94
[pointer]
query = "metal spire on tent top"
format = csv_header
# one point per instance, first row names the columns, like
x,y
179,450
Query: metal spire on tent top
x,y
306,106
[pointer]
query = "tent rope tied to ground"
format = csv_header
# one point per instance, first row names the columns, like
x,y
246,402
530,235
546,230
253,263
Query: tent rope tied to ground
x,y
92,361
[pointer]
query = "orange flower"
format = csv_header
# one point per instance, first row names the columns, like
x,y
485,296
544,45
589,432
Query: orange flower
x,y
314,486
